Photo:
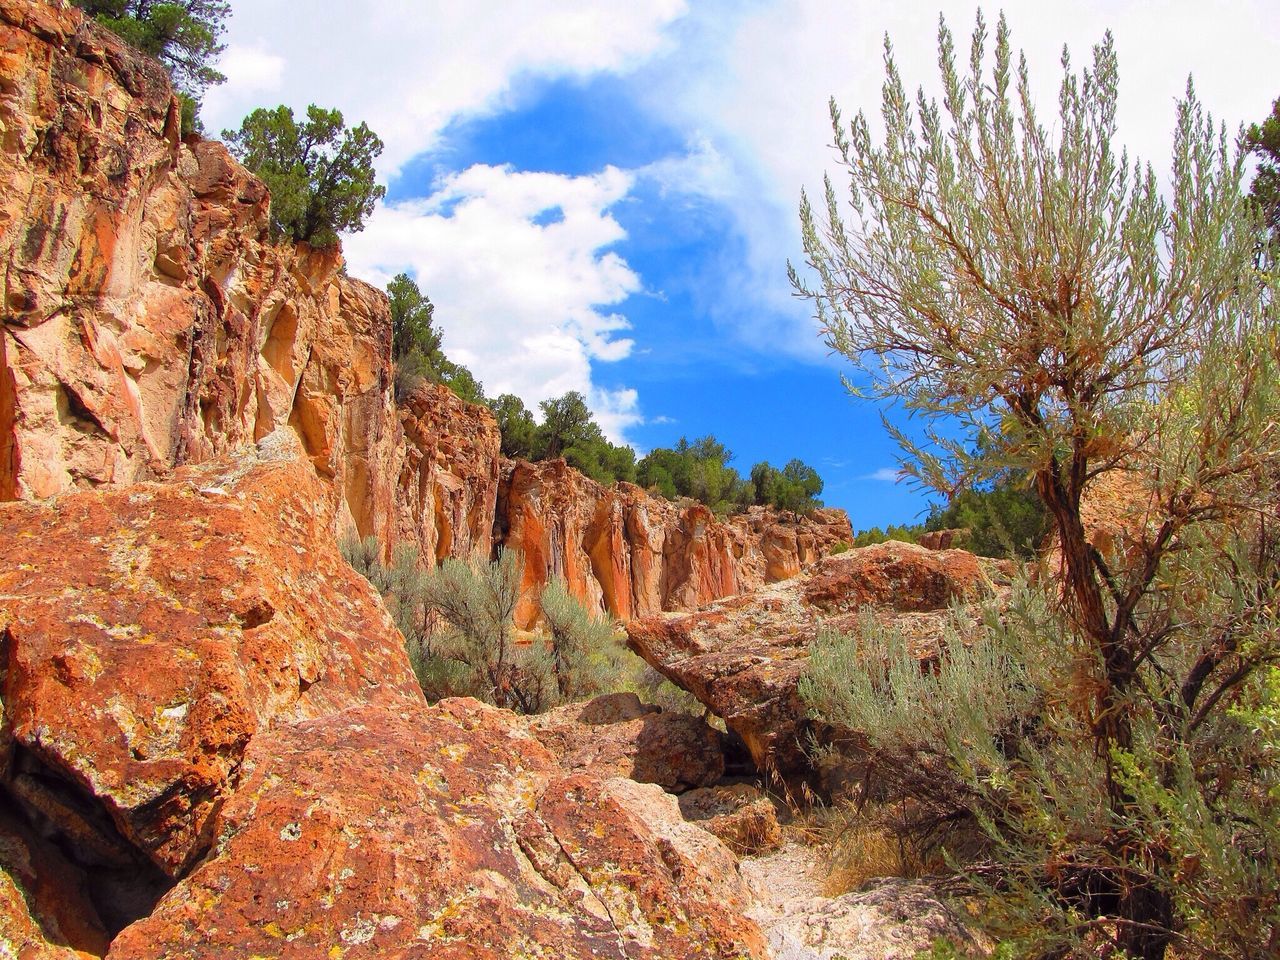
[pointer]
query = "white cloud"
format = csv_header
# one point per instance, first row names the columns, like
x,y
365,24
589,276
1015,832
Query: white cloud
x,y
524,301
254,75
755,88
884,475
408,69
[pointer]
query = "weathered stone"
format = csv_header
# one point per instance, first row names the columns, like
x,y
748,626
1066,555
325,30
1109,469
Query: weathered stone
x,y
629,554
739,814
152,631
743,657
449,465
617,736
458,838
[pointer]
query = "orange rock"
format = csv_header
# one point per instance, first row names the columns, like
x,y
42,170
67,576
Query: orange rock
x,y
455,839
615,735
743,657
629,554
151,631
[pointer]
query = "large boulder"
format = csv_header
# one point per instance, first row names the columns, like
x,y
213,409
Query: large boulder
x,y
438,832
743,657
150,632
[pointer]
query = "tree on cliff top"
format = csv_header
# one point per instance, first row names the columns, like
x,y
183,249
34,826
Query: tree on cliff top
x,y
1028,286
416,345
320,174
184,35
1263,141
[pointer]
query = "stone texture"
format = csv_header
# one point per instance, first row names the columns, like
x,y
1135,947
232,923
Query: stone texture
x,y
150,632
630,554
615,735
743,656
447,487
739,814
459,838
148,322
891,919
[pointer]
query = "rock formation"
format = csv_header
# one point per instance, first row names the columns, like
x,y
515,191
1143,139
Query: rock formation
x,y
635,555
213,729
744,656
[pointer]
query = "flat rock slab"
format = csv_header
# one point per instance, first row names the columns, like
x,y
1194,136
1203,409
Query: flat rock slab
x,y
441,832
615,735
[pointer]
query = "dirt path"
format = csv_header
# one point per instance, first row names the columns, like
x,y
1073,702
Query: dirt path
x,y
894,919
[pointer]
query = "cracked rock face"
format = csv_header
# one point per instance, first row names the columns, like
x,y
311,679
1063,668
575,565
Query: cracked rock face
x,y
215,716
152,631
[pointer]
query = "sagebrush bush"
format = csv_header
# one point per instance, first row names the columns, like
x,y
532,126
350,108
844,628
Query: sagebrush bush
x,y
461,639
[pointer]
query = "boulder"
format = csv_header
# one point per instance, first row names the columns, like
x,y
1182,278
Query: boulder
x,y
438,832
615,735
151,631
743,657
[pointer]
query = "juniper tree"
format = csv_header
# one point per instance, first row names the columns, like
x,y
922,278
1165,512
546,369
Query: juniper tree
x,y
1031,294
320,174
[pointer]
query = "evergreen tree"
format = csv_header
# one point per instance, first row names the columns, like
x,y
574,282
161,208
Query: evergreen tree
x,y
320,174
416,345
1263,141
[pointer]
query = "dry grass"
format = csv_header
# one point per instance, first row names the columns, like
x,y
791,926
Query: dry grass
x,y
860,846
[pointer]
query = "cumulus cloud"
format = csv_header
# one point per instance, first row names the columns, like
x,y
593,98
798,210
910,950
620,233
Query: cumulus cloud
x,y
409,69
524,281
254,75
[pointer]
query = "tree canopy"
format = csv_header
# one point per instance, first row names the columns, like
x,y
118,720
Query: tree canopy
x,y
1263,141
320,174
1028,291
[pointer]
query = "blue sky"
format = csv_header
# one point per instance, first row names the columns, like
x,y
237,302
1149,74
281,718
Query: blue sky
x,y
601,196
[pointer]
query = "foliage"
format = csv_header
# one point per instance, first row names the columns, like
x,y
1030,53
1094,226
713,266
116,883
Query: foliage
x,y
184,35
1004,518
587,658
905,533
517,426
701,470
1263,141
795,487
320,174
567,430
461,641
415,345
1031,294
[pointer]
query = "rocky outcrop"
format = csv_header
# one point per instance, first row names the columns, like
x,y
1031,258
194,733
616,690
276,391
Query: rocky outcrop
x,y
630,554
215,718
446,490
744,656
615,735
148,320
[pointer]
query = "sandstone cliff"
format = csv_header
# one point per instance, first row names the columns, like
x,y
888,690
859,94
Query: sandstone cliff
x,y
149,322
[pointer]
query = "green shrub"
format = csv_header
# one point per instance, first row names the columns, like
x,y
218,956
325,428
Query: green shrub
x,y
459,634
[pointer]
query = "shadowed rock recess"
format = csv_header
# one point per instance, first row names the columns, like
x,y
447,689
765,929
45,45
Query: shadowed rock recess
x,y
213,744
